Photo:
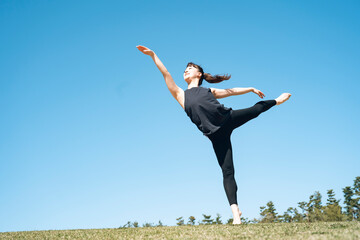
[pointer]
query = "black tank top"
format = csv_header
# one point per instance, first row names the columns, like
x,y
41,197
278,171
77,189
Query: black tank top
x,y
204,110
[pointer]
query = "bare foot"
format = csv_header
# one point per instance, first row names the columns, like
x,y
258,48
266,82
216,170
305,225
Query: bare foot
x,y
237,220
282,98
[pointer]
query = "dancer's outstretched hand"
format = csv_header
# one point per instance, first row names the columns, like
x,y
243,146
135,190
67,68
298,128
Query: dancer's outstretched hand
x,y
258,92
145,50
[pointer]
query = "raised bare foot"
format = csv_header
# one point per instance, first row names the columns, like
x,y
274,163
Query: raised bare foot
x,y
282,98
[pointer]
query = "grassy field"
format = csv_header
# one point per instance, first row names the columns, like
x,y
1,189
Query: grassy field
x,y
321,230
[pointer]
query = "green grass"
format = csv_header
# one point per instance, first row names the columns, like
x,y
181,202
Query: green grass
x,y
319,230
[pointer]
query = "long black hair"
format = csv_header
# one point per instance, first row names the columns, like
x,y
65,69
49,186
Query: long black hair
x,y
207,76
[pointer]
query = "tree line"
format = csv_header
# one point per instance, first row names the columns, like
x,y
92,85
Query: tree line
x,y
312,210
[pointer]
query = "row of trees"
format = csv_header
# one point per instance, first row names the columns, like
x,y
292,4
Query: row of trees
x,y
181,221
311,211
314,210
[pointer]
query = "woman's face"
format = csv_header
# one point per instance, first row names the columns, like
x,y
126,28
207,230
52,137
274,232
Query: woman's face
x,y
191,73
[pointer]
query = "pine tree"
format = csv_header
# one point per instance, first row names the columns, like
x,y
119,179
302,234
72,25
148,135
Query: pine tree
x,y
356,202
315,209
180,221
191,220
148,225
207,219
127,225
331,198
332,210
303,206
217,219
349,203
288,216
244,220
298,217
268,214
160,224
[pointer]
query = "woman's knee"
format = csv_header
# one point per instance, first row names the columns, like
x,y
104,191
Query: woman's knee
x,y
257,109
263,106
228,172
260,105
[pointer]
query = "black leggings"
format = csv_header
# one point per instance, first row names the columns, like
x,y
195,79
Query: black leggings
x,y
222,144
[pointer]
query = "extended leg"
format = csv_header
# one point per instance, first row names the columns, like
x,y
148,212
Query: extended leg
x,y
241,116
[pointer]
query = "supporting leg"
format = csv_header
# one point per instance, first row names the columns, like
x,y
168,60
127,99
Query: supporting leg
x,y
223,150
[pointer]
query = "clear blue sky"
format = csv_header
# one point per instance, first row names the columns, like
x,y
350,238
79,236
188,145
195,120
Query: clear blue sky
x,y
90,136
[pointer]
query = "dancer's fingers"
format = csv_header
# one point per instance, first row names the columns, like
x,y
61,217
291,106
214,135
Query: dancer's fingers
x,y
142,48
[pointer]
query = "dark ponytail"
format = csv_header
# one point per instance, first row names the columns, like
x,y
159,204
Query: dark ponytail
x,y
207,76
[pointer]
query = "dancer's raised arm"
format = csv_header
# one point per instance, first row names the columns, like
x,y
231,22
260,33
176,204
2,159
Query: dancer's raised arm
x,y
176,91
222,93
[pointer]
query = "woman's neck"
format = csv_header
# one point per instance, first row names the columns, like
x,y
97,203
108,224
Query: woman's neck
x,y
193,84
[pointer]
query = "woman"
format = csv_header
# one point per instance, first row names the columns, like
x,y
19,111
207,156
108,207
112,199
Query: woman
x,y
213,119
